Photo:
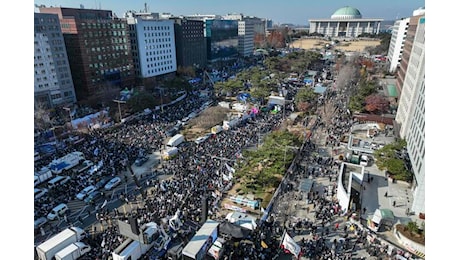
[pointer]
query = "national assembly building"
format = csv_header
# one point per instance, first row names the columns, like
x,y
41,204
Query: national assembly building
x,y
345,22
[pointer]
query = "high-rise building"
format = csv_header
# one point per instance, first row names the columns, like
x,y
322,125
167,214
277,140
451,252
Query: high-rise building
x,y
190,42
53,83
398,36
98,49
408,74
153,46
407,48
221,39
410,117
245,38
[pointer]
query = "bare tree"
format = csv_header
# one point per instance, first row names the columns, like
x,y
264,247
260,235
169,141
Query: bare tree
x,y
42,119
347,75
328,112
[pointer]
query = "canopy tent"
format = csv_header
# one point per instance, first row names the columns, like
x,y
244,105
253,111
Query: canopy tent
x,y
233,230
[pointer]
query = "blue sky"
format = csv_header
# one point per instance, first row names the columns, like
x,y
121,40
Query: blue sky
x,y
280,11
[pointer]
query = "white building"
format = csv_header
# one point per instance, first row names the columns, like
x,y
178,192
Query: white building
x,y
414,77
398,36
53,83
245,38
345,22
413,104
153,45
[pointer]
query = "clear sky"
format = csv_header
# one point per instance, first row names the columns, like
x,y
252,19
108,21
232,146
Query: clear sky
x,y
280,11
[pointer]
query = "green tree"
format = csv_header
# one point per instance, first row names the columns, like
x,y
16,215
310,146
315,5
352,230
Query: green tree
x,y
306,94
141,100
389,158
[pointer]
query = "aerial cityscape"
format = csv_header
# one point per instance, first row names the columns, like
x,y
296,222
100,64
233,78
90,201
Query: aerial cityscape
x,y
206,131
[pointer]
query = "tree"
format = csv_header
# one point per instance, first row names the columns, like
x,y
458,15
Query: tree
x,y
188,71
376,103
42,119
303,106
141,100
390,158
306,94
348,74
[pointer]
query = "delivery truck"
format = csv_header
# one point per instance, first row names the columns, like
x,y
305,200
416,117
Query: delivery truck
x,y
170,153
175,140
73,251
43,175
48,249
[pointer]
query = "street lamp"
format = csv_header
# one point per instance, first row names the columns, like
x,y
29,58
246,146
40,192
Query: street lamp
x,y
119,108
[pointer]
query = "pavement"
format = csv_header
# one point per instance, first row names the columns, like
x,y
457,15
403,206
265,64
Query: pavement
x,y
373,198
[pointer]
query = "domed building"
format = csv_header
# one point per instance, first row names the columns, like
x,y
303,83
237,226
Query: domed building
x,y
345,22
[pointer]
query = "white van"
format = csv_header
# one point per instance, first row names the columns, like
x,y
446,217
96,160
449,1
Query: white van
x,y
59,210
58,180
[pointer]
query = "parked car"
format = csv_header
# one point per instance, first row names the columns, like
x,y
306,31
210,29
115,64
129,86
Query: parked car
x,y
141,160
102,182
38,193
93,196
85,192
112,183
40,222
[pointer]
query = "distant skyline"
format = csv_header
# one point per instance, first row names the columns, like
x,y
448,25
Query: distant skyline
x,y
288,11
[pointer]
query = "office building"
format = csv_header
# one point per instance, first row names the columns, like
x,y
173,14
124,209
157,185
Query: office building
x,y
53,85
153,46
398,36
190,42
410,117
245,38
98,49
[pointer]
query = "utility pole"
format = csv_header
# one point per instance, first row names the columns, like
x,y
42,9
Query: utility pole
x,y
119,108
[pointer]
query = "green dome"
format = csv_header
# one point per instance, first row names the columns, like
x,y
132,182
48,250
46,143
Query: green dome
x,y
346,12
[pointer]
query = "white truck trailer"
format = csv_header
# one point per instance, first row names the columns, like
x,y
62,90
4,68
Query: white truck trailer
x,y
48,249
73,251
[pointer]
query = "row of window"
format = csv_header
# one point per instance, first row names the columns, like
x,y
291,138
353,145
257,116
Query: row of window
x,y
103,33
162,69
159,46
154,53
164,57
153,65
156,28
157,40
102,26
157,34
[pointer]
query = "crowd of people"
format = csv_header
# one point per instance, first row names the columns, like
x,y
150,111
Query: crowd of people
x,y
198,177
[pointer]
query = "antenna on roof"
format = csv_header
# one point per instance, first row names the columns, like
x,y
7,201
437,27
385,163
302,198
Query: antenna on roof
x,y
145,7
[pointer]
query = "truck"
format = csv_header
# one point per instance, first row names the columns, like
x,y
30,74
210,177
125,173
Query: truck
x,y
204,238
152,238
43,175
83,166
73,251
175,140
66,162
48,249
170,153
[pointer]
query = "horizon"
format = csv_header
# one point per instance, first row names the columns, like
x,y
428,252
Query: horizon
x,y
297,12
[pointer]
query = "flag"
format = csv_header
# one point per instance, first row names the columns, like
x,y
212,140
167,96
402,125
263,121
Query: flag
x,y
290,245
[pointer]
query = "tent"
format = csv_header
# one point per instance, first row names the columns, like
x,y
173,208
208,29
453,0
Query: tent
x,y
233,230
380,219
